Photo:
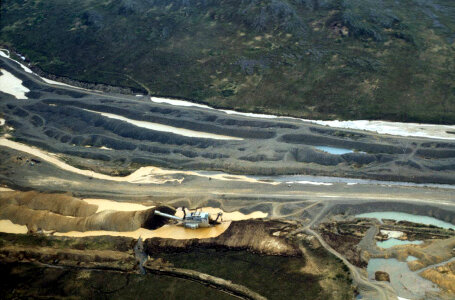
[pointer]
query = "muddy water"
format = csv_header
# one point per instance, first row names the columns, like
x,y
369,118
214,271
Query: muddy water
x,y
167,231
229,216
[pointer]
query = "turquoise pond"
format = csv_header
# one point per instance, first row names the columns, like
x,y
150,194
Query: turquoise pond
x,y
333,150
395,242
411,258
399,216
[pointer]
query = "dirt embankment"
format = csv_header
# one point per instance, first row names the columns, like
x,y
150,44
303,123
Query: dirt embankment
x,y
265,237
345,237
63,204
443,276
64,213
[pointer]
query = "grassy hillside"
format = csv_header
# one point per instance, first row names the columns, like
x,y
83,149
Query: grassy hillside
x,y
350,59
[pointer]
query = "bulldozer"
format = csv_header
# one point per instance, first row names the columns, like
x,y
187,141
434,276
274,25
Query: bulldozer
x,y
193,220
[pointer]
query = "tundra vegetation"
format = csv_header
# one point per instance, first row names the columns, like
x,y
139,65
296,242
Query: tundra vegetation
x,y
347,59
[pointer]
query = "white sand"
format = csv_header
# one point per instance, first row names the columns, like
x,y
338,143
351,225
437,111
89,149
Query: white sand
x,y
309,182
12,85
395,128
166,128
432,131
382,127
392,234
178,102
104,205
5,189
9,227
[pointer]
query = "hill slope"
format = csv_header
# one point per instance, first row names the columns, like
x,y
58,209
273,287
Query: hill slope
x,y
350,59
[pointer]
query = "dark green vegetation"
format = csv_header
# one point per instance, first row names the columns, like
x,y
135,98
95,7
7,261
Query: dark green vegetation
x,y
29,281
86,243
370,59
274,277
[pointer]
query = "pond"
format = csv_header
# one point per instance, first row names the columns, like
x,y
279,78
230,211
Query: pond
x,y
399,216
333,150
396,242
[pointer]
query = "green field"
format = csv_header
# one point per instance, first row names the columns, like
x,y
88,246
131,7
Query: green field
x,y
347,59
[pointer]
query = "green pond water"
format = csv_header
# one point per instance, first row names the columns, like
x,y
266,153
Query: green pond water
x,y
399,216
395,242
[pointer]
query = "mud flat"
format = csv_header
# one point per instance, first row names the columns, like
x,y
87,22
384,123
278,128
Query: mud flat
x,y
406,283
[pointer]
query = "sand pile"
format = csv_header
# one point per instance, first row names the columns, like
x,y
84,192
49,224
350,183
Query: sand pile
x,y
62,204
107,220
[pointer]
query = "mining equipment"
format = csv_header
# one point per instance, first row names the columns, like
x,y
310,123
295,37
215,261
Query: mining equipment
x,y
193,220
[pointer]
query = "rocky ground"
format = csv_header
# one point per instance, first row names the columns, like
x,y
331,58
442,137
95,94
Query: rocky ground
x,y
69,122
62,145
356,238
245,254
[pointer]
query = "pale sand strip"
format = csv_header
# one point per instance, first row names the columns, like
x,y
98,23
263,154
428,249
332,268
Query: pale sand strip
x,y
150,175
104,205
432,131
167,128
9,227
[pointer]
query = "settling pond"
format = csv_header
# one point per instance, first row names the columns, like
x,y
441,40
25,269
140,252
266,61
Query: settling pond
x,y
399,216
